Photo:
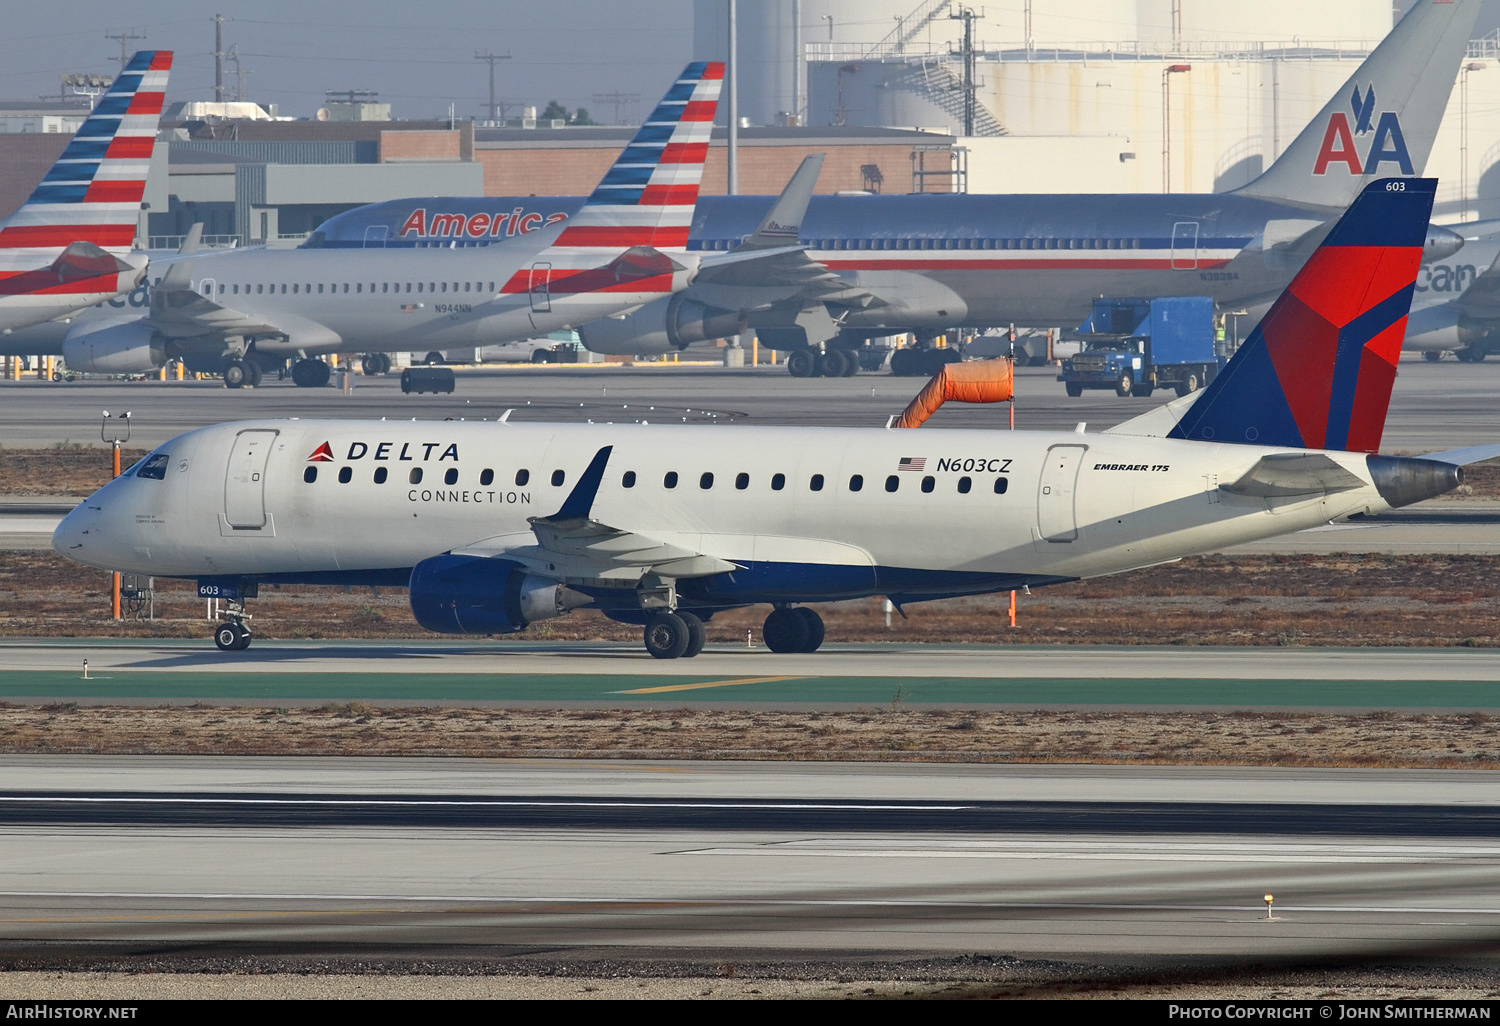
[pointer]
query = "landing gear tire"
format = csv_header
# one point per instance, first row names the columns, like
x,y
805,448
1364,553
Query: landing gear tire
x,y
232,637
375,363
1124,386
902,361
667,636
1188,385
256,373
1432,355
786,631
1074,389
541,356
831,363
697,635
311,373
802,363
236,374
1470,355
433,359
815,629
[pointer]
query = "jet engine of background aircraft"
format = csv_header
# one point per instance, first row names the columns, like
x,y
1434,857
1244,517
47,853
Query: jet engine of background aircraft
x,y
113,347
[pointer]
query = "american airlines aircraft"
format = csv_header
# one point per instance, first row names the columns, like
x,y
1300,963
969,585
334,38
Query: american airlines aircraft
x,y
881,264
493,526
625,246
66,248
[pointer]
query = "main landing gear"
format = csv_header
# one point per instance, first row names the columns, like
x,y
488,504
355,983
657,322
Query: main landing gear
x,y
830,363
242,373
232,636
678,635
790,629
376,363
311,373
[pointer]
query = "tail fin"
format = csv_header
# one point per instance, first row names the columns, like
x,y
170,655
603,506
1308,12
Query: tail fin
x,y
1384,119
648,195
1318,369
93,193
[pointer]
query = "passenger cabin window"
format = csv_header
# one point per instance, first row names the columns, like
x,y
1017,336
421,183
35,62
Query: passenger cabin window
x,y
310,474
380,475
628,481
486,477
856,482
522,476
742,481
558,477
346,474
670,481
928,484
1001,484
415,477
778,482
155,467
816,484
706,481
891,483
964,484
451,477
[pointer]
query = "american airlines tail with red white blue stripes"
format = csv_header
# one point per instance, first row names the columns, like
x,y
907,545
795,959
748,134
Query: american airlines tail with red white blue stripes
x,y
640,212
61,250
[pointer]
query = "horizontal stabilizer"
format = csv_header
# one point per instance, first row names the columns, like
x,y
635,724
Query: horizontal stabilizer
x,y
1294,473
1463,457
1158,422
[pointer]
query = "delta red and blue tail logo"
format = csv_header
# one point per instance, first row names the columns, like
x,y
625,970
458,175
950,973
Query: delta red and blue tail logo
x,y
322,454
1387,144
1317,371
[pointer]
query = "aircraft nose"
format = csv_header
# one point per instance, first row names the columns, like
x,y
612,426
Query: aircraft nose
x,y
84,533
1440,243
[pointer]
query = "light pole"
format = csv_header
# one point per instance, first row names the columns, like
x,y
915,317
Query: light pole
x,y
1463,137
1166,122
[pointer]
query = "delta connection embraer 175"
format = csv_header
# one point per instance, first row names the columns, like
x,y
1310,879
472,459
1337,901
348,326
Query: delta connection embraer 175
x,y
626,246
493,526
64,249
875,265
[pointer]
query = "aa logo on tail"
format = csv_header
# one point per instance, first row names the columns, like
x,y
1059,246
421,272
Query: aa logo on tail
x,y
1387,143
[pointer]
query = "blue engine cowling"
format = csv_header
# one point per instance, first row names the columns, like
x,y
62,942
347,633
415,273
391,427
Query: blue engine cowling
x,y
484,595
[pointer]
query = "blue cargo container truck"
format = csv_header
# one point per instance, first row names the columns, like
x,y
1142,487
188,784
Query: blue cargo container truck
x,y
1136,346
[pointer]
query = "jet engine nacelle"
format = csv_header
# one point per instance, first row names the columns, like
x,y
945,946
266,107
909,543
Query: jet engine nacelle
x,y
113,347
661,326
1444,328
484,595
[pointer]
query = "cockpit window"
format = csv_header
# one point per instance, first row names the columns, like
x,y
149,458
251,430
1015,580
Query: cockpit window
x,y
154,466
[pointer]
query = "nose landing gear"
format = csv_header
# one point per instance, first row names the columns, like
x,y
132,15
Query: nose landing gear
x,y
232,636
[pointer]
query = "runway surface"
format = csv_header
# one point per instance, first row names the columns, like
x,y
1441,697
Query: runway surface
x,y
1098,862
531,673
1433,406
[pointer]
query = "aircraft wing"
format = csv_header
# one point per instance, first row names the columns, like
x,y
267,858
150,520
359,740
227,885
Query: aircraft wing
x,y
573,547
1482,297
178,311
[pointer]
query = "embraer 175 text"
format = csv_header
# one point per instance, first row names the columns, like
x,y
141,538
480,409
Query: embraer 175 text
x,y
494,526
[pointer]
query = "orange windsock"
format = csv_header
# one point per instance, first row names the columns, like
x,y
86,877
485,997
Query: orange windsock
x,y
980,381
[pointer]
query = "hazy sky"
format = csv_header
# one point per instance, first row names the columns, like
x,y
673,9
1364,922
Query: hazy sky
x,y
418,56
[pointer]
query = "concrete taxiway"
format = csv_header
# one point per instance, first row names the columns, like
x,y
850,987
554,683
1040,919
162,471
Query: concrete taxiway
x,y
531,673
1434,406
1132,863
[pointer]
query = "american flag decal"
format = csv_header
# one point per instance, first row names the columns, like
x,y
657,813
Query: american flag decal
x,y
912,463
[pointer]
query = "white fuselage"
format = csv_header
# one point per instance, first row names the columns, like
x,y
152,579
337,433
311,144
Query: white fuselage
x,y
234,501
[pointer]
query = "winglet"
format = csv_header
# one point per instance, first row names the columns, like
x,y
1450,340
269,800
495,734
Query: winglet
x,y
783,223
581,500
193,240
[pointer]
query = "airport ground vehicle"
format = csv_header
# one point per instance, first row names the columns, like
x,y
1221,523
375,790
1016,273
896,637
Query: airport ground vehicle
x,y
1136,346
495,525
